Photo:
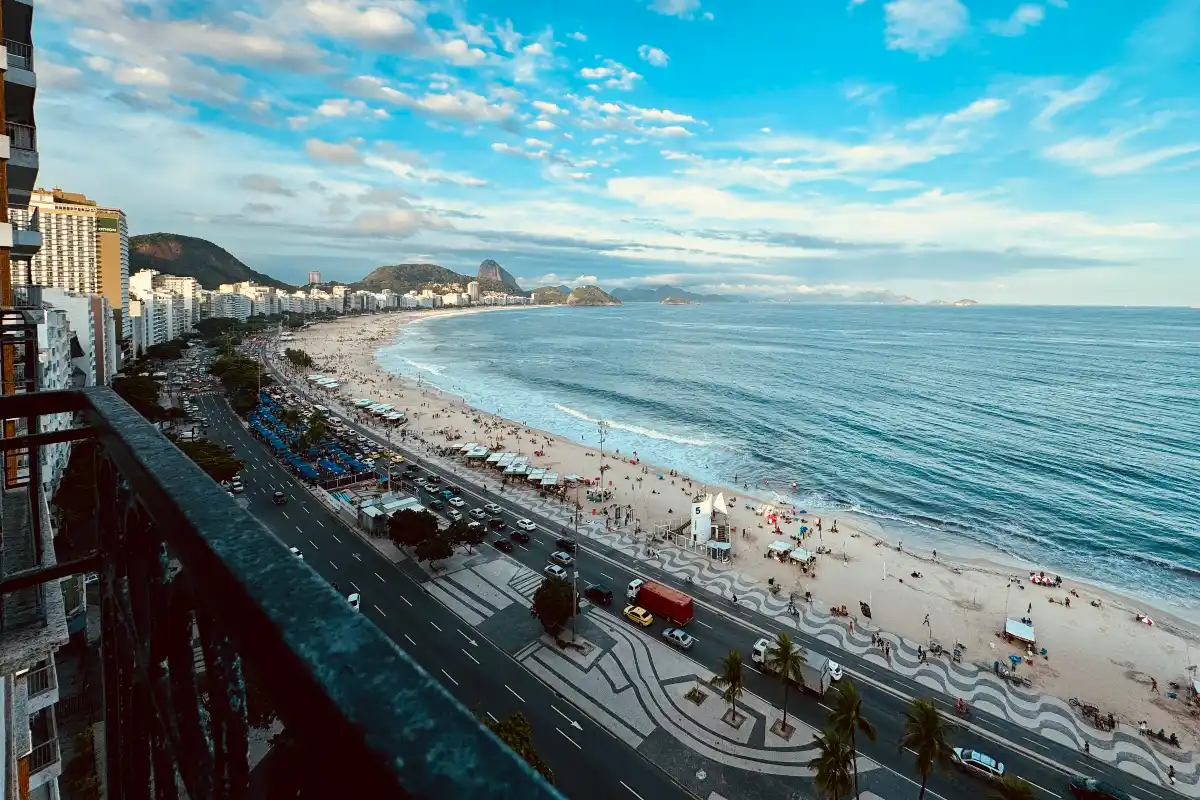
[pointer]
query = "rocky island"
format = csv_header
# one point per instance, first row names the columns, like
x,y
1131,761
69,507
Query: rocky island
x,y
677,301
549,296
591,296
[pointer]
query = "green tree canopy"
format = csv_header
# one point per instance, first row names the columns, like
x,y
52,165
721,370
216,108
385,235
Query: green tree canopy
x,y
847,717
515,731
831,765
213,459
408,528
553,604
784,658
925,735
298,358
142,393
732,677
434,549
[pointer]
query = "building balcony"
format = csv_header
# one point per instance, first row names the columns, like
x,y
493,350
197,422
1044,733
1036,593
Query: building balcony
x,y
19,55
182,566
41,685
26,236
22,162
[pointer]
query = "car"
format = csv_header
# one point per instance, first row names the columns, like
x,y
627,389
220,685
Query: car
x,y
454,490
599,593
565,544
526,524
835,671
637,614
296,552
503,544
555,571
497,524
1092,789
355,600
434,479
678,637
977,763
446,493
477,513
421,484
436,504
457,502
279,498
397,459
454,515
559,557
519,536
492,508
230,449
237,487
360,438
474,526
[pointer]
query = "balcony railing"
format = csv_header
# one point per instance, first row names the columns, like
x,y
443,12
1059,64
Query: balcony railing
x,y
21,136
40,680
178,558
20,54
42,756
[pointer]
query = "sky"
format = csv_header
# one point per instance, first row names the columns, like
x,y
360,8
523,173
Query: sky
x,y
1042,152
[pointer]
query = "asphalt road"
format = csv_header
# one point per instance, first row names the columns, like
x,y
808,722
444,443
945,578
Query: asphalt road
x,y
587,761
719,627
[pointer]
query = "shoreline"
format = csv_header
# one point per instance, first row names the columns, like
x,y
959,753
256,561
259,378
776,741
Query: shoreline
x,y
968,594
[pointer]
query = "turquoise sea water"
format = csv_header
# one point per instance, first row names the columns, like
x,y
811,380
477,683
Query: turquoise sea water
x,y
1068,438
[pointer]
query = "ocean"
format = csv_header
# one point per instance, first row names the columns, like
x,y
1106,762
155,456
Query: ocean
x,y
1063,438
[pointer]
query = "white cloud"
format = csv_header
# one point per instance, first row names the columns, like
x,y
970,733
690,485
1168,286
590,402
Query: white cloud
x,y
265,184
580,176
657,115
684,9
463,106
344,153
1058,101
459,53
669,132
548,108
1105,156
538,143
613,75
707,16
893,185
342,107
1023,17
764,130
985,108
578,36
543,125
407,167
402,222
653,56
603,139
373,24
924,27
535,49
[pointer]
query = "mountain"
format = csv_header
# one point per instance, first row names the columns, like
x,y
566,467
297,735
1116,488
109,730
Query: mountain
x,y
965,302
657,294
490,271
937,303
562,287
189,257
591,296
677,301
550,295
404,278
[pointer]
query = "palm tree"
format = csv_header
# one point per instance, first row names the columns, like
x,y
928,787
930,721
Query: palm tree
x,y
925,735
1011,788
831,765
847,717
731,676
783,658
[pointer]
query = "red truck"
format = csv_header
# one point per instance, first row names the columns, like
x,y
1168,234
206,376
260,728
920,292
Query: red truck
x,y
670,604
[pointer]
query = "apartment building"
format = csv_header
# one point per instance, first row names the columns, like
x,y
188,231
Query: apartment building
x,y
112,263
94,325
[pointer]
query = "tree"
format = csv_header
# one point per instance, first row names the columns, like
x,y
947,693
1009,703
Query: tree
x,y
847,717
408,528
166,351
213,459
299,358
434,549
832,763
553,604
925,735
460,533
290,417
1013,788
142,393
784,660
731,676
514,731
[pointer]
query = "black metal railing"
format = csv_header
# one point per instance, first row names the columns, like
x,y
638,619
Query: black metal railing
x,y
21,136
20,54
42,756
178,559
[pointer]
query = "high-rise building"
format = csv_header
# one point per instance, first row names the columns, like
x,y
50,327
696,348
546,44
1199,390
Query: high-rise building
x,y
85,247
314,276
473,291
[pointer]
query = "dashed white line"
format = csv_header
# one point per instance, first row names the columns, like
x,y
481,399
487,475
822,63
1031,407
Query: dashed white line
x,y
752,669
381,580
336,539
355,585
610,577
447,674
380,610
568,738
410,641
357,557
285,516
473,658
514,694
434,624
405,599
322,524
306,511
631,791
705,624
335,566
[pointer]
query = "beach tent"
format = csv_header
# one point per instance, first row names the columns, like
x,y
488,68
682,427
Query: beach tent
x,y
478,453
780,547
1015,629
494,457
800,554
466,448
550,479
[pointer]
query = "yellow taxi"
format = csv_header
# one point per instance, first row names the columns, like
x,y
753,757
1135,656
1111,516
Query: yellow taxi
x,y
639,615
398,459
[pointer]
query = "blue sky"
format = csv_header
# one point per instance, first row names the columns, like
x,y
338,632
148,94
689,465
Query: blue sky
x,y
1013,152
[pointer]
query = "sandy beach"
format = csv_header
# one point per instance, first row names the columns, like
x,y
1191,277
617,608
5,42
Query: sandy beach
x,y
1098,653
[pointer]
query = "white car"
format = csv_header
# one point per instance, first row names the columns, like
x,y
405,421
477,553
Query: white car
x,y
478,513
978,764
835,671
355,601
454,515
526,524
492,508
560,557
296,552
555,571
457,502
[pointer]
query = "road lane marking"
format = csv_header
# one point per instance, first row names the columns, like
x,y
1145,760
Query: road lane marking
x,y
434,624
285,516
610,577
322,524
355,585
306,511
406,636
335,566
447,674
405,599
380,610
705,624
381,580
336,539
631,791
468,655
357,557
514,694
568,738
752,669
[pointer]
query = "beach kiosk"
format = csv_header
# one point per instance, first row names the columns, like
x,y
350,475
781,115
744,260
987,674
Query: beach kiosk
x,y
1015,630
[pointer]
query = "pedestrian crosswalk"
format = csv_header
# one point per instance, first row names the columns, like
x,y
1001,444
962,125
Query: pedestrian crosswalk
x,y
527,584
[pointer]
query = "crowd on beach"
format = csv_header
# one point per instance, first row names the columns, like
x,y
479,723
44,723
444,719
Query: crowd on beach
x,y
1095,648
